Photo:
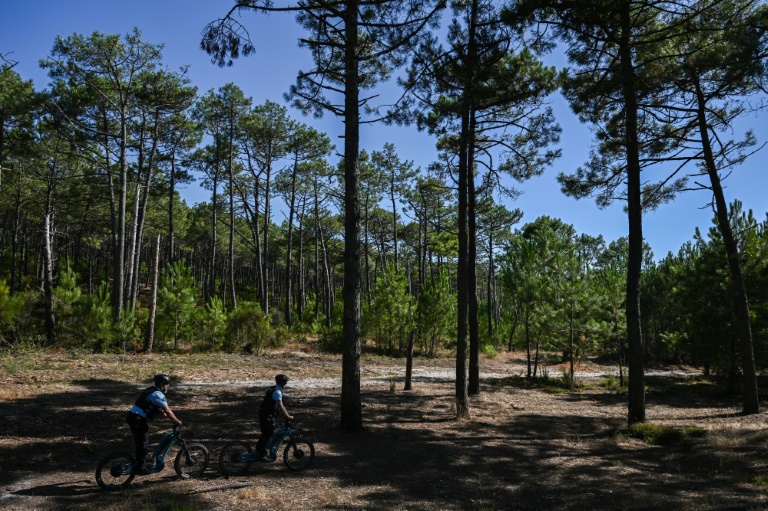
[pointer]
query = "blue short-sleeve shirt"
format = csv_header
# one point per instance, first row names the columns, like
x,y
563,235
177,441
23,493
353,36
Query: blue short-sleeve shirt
x,y
277,395
157,398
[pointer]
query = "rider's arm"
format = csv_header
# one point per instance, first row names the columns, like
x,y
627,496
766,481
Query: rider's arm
x,y
168,413
282,410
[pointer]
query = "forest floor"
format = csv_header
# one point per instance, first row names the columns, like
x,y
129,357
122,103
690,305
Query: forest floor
x,y
526,446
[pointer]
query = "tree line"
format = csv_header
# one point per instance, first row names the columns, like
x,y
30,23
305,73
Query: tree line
x,y
100,252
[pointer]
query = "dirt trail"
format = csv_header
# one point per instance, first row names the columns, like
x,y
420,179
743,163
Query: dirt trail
x,y
524,447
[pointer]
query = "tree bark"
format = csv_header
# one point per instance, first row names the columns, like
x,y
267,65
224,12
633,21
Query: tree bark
x,y
150,338
288,262
465,174
351,404
751,403
636,390
474,326
265,247
50,317
231,172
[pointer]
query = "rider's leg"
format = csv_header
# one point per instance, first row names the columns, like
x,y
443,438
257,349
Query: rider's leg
x,y
267,425
140,430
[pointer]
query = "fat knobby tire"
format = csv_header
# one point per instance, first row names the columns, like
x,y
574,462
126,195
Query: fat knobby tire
x,y
113,473
299,454
194,465
229,462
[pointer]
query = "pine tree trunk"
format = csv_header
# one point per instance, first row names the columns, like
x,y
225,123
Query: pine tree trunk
x,y
751,403
231,254
491,302
150,338
301,299
171,198
317,255
288,252
474,322
265,248
636,390
50,317
465,174
351,404
15,237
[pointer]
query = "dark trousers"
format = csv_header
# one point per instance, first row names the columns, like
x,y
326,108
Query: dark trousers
x,y
267,425
140,430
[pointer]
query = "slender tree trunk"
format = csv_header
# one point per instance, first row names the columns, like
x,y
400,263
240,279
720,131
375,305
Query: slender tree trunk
x,y
171,200
527,325
394,215
367,254
328,283
461,394
317,254
491,302
351,403
636,405
211,287
15,238
751,400
265,255
301,301
257,234
131,240
465,174
142,215
231,172
211,278
119,256
409,361
50,317
133,237
474,322
572,346
150,338
291,207
426,247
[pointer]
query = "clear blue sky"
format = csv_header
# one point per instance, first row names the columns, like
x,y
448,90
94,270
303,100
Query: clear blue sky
x,y
28,29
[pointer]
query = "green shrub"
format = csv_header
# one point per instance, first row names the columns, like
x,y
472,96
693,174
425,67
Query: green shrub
x,y
10,308
248,328
389,318
96,326
611,382
694,432
655,433
212,324
332,340
176,300
490,351
280,336
567,379
67,295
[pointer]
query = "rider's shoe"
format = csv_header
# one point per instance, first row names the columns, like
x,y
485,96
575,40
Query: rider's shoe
x,y
142,471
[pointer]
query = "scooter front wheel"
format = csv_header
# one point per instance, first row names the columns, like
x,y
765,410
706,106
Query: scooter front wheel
x,y
192,461
299,454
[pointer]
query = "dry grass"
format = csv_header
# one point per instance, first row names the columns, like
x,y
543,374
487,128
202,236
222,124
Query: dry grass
x,y
523,448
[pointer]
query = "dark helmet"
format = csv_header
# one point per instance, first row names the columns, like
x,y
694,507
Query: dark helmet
x,y
162,379
281,379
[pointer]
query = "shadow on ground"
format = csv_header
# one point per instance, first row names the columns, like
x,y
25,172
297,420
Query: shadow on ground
x,y
522,449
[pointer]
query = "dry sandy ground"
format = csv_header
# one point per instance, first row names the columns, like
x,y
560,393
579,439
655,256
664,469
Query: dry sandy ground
x,y
524,447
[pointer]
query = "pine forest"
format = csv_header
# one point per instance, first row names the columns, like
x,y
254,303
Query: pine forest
x,y
307,237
